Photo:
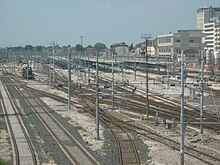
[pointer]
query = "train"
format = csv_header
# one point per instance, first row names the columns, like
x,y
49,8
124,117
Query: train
x,y
27,73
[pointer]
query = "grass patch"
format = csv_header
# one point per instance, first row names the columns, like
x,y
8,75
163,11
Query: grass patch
x,y
51,156
68,118
149,120
2,125
3,162
75,124
79,128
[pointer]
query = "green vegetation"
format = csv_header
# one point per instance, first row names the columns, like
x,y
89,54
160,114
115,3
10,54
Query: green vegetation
x,y
79,48
79,128
99,47
131,47
69,119
3,162
75,124
2,124
149,119
51,156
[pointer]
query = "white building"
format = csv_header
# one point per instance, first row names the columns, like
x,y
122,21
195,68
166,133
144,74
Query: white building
x,y
120,48
212,40
169,45
205,15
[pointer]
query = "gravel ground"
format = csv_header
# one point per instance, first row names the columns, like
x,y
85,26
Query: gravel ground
x,y
83,127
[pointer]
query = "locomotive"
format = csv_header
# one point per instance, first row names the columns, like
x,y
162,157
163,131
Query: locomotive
x,y
27,73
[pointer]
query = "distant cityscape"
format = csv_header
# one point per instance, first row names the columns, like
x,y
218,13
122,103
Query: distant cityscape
x,y
205,38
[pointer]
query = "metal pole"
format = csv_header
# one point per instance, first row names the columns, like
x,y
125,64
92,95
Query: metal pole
x,y
97,97
50,73
202,94
147,99
182,126
135,69
53,66
88,68
167,74
85,67
146,37
27,61
80,65
69,79
113,81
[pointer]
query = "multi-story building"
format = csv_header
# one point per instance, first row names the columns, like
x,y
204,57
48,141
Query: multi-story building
x,y
205,15
151,48
212,41
217,40
120,48
169,45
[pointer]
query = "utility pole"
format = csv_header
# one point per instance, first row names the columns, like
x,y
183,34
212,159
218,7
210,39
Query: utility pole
x,y
146,37
80,58
168,74
69,79
135,69
50,73
182,125
97,96
113,79
53,65
202,93
88,68
27,61
81,39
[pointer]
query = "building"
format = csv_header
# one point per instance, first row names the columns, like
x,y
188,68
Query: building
x,y
151,48
212,41
120,48
170,45
205,15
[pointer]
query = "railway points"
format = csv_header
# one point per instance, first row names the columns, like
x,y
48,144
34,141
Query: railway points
x,y
129,110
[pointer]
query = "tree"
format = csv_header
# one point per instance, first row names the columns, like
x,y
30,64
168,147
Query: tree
x,y
79,48
28,47
89,46
39,48
131,47
99,47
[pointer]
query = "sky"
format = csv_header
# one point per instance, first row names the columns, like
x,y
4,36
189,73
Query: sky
x,y
42,22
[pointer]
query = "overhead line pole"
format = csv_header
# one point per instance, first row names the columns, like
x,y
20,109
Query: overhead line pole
x,y
202,93
182,125
69,79
113,81
53,65
97,97
146,37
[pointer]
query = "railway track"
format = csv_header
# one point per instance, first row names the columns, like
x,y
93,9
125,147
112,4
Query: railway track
x,y
195,153
127,150
76,153
207,158
165,107
23,150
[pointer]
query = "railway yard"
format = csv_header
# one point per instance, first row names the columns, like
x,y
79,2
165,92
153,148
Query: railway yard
x,y
38,128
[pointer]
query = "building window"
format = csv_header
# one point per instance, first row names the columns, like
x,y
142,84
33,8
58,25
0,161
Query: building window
x,y
208,30
164,49
208,26
209,38
191,41
177,40
165,40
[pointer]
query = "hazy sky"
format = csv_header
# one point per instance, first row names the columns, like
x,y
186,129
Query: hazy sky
x,y
39,22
